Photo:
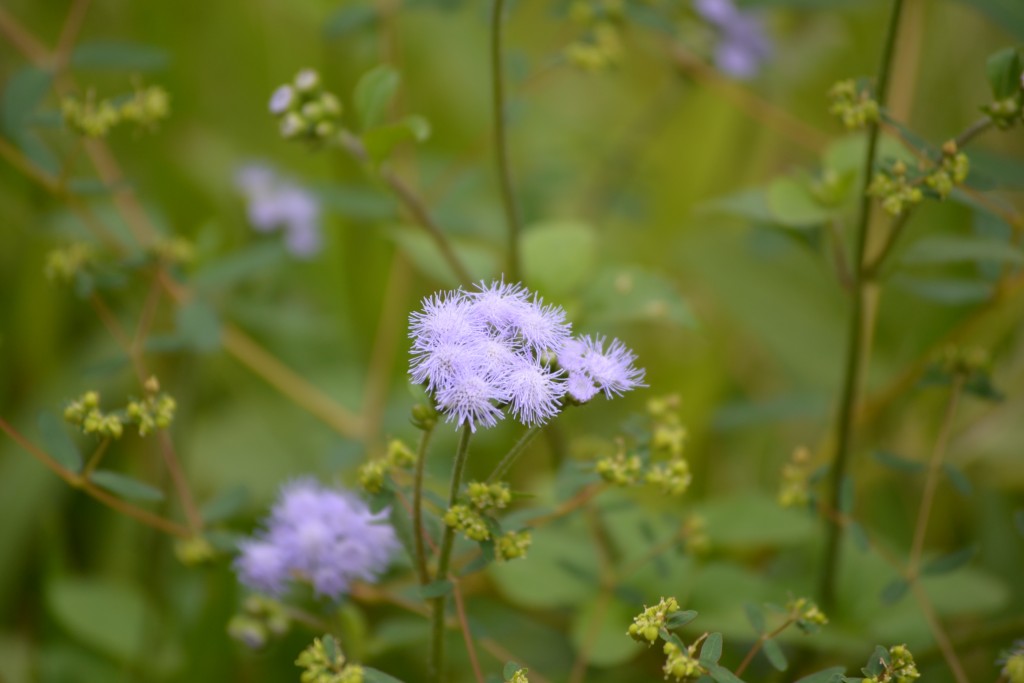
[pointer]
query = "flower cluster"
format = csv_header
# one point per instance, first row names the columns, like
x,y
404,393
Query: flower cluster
x,y
398,456
63,265
893,188
260,619
743,44
951,170
93,118
278,203
324,662
601,47
499,347
1013,663
855,108
896,667
808,616
682,664
796,479
305,110
326,537
647,625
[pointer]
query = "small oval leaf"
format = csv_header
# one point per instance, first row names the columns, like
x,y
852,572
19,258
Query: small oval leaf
x,y
126,487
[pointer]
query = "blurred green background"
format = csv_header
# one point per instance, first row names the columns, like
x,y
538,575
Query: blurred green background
x,y
625,170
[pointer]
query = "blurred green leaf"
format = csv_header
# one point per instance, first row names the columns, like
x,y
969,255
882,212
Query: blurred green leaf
x,y
1004,71
723,675
968,591
198,325
751,204
680,619
23,93
112,617
894,591
948,291
54,436
597,627
877,662
381,140
126,487
938,249
118,56
371,675
711,650
373,92
754,616
775,655
895,462
859,536
509,670
630,294
225,505
436,589
950,562
833,674
957,478
349,19
558,256
256,260
754,520
793,205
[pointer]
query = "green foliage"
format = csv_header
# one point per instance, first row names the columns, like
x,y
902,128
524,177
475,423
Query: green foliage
x,y
57,442
373,92
126,487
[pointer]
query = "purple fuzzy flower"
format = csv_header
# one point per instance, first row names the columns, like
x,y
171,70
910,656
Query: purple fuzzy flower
x,y
743,42
323,536
275,203
592,368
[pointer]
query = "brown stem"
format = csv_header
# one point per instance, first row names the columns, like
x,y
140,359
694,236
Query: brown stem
x,y
467,637
756,647
69,33
95,458
181,487
22,39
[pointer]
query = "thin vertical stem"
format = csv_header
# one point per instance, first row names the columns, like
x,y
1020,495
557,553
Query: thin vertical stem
x,y
417,507
513,453
856,337
444,558
508,198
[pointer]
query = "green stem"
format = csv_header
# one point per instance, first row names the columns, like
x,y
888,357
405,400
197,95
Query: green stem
x,y
444,558
501,142
94,459
417,506
513,453
856,341
972,131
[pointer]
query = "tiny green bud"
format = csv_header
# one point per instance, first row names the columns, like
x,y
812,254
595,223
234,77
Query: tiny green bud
x,y
194,551
400,455
251,632
513,545
424,417
648,624
469,522
484,496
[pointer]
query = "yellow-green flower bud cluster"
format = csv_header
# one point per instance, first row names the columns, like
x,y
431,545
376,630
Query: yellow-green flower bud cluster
x,y
601,45
695,535
156,411
85,413
468,522
519,676
648,624
807,614
176,250
485,497
513,545
62,265
668,441
261,618
965,361
305,111
901,668
854,108
423,417
895,190
93,118
194,551
682,665
1013,664
795,488
1005,113
620,469
672,477
397,456
951,171
323,662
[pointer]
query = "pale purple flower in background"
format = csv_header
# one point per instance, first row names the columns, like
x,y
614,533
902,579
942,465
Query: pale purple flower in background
x,y
277,203
743,44
495,348
326,537
281,100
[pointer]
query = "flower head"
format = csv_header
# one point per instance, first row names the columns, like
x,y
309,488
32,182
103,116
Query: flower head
x,y
277,203
743,43
326,537
592,368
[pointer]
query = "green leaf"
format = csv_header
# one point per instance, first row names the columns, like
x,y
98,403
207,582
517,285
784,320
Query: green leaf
x,y
349,19
775,655
381,140
23,93
877,662
755,616
949,291
859,536
114,618
940,249
225,505
751,204
126,487
371,675
950,562
54,436
598,626
957,478
558,256
894,591
895,462
510,670
631,294
754,521
723,675
256,260
373,92
1004,69
711,650
680,619
119,56
436,589
793,205
834,674
198,325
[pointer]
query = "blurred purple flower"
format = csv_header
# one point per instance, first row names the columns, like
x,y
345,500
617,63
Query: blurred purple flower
x,y
326,537
274,202
743,44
